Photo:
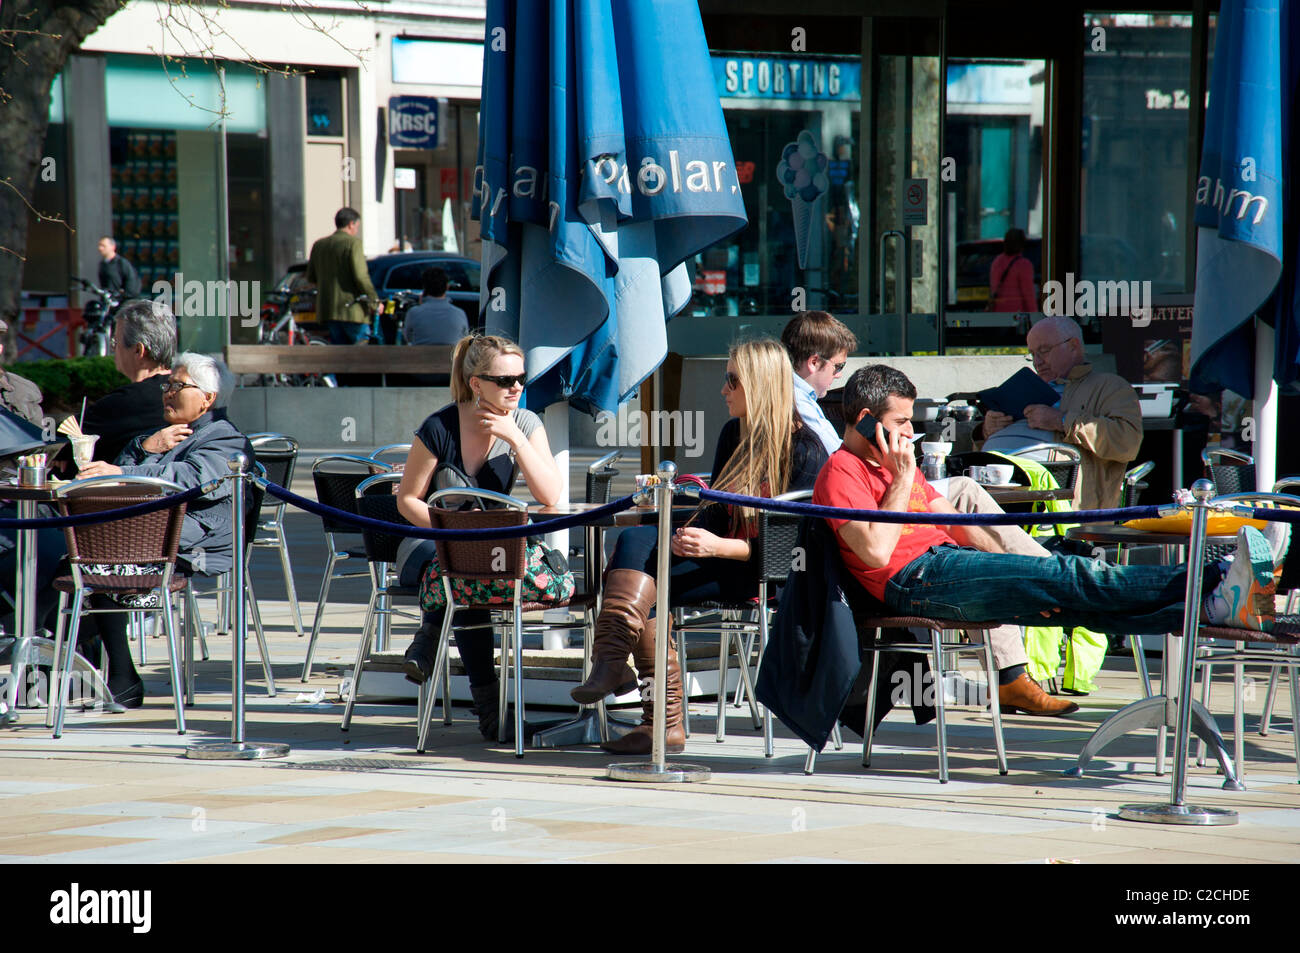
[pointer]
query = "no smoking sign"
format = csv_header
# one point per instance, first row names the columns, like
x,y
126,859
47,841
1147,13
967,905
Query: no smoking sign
x,y
915,203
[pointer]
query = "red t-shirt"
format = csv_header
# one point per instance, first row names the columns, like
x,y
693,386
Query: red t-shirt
x,y
849,482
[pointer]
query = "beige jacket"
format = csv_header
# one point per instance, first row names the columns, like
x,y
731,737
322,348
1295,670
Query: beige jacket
x,y
1103,418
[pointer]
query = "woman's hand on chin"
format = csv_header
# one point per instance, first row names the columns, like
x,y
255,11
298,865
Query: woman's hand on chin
x,y
166,439
498,424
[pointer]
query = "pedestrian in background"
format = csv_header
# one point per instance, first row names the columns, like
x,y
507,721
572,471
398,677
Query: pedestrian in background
x,y
337,267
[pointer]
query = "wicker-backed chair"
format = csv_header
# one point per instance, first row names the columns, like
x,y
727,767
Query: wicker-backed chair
x,y
486,560
149,540
278,454
1287,484
1229,470
337,477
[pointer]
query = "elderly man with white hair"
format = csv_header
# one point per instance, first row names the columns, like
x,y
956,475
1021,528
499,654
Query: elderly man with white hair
x,y
190,450
1098,413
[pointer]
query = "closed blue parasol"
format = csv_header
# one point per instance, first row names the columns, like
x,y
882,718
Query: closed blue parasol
x,y
1248,242
603,165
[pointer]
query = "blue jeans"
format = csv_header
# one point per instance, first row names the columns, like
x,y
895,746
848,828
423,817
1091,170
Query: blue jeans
x,y
693,581
348,332
951,582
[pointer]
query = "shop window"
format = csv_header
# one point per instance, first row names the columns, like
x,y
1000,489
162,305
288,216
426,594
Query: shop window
x,y
1136,122
145,197
325,104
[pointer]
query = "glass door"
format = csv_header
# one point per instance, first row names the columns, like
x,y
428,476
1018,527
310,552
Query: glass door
x,y
899,263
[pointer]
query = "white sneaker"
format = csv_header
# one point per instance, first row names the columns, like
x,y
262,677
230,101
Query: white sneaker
x,y
1244,598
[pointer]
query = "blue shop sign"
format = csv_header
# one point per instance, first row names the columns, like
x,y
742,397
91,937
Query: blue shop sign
x,y
413,122
767,77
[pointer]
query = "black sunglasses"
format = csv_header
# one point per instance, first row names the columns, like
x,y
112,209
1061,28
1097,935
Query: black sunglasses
x,y
504,380
839,368
731,380
171,386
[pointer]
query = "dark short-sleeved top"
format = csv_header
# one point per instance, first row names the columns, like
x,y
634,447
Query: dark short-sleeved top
x,y
440,434
135,410
807,456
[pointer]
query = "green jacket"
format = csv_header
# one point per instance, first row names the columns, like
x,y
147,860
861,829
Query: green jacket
x,y
337,267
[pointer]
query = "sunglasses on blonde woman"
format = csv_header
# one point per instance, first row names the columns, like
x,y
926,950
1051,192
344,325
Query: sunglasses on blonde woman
x,y
731,380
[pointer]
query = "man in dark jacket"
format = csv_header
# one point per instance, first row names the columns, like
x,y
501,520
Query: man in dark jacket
x,y
337,267
144,345
115,272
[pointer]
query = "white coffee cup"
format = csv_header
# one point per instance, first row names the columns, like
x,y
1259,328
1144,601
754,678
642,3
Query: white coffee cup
x,y
978,474
997,474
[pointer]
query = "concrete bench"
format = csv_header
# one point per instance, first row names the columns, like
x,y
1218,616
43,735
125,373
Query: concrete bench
x,y
338,359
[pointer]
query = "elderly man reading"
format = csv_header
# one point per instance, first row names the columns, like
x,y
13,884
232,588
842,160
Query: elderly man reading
x,y
962,572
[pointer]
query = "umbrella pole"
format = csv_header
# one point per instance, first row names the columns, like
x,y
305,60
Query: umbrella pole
x,y
1265,409
658,769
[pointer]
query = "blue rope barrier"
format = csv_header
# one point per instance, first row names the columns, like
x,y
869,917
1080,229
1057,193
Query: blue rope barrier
x,y
1277,516
104,516
798,508
538,528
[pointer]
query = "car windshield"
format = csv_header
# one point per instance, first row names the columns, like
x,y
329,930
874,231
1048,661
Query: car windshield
x,y
462,275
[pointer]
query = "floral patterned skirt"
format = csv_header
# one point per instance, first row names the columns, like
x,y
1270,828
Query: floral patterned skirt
x,y
541,584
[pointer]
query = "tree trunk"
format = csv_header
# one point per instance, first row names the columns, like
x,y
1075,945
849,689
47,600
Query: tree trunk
x,y
36,38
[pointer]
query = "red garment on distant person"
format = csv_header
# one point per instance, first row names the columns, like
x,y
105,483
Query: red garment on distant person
x,y
849,482
1011,283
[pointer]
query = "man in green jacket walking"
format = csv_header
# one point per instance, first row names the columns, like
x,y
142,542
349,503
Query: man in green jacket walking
x,y
337,267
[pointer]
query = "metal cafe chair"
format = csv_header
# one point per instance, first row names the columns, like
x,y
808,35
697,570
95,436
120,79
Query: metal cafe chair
x,y
396,451
336,477
279,455
1290,485
149,542
485,560
375,500
1130,491
871,615
192,623
1229,470
1245,647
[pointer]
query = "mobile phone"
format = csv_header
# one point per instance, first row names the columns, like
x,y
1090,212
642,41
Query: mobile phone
x,y
867,427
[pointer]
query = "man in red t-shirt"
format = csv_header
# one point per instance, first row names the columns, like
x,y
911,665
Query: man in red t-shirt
x,y
859,476
964,573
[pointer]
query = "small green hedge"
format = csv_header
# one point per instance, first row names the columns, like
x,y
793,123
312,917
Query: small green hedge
x,y
65,381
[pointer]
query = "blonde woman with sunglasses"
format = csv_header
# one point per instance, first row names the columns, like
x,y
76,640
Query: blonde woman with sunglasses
x,y
763,450
482,439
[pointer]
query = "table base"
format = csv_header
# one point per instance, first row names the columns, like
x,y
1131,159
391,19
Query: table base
x,y
1153,712
235,751
584,729
649,771
21,652
1188,814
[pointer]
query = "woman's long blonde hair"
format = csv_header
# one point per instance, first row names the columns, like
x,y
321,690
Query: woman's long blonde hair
x,y
472,357
760,466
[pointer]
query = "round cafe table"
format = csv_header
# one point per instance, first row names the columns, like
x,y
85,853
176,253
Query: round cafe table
x,y
1158,711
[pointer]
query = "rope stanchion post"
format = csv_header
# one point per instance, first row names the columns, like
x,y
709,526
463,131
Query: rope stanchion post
x,y
657,769
237,749
1177,810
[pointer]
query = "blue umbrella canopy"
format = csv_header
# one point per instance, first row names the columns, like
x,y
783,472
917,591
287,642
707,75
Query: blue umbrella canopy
x,y
603,165
1248,242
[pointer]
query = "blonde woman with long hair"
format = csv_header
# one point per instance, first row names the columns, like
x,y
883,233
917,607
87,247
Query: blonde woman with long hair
x,y
764,450
483,439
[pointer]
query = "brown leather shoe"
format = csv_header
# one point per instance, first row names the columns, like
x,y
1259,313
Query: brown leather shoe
x,y
1024,696
626,601
640,740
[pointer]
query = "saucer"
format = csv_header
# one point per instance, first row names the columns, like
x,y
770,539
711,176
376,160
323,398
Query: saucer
x,y
1002,486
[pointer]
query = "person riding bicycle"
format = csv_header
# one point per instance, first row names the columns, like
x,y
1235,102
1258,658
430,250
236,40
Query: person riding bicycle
x,y
116,274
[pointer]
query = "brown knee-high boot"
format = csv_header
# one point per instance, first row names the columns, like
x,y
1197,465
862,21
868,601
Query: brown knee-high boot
x,y
640,740
626,601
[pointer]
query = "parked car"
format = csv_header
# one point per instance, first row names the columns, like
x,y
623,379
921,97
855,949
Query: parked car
x,y
404,272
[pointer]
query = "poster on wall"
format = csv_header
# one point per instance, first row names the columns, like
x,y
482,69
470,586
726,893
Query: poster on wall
x,y
1155,348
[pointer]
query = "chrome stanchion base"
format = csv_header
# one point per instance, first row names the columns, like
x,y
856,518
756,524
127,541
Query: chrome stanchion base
x,y
649,771
584,729
235,751
1189,814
